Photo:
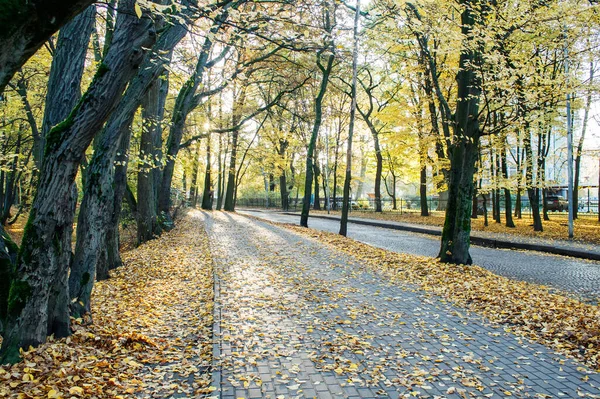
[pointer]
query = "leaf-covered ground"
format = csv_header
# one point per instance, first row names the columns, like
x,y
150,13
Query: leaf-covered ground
x,y
587,228
533,311
152,330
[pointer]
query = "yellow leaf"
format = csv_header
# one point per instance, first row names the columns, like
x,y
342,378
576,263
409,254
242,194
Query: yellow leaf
x,y
76,391
138,10
52,394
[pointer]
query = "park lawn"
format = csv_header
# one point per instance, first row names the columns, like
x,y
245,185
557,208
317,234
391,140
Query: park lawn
x,y
587,228
151,331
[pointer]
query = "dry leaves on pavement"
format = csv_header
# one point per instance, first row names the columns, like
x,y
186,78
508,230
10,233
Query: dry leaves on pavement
x,y
533,311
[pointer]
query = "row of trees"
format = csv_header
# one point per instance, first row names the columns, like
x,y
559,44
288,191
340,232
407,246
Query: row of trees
x,y
198,97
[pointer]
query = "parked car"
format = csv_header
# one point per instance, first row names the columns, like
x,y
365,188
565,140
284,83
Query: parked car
x,y
556,203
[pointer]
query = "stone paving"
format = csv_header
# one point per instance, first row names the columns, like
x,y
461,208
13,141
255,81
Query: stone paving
x,y
577,276
299,320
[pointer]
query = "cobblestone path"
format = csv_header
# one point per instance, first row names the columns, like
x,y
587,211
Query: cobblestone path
x,y
299,320
577,276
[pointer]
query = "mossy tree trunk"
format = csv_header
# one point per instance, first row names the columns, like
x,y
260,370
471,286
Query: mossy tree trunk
x,y
64,82
39,298
146,215
464,146
96,250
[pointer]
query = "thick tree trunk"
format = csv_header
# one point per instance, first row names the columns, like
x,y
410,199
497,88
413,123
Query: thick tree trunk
x,y
97,248
463,151
64,82
26,26
39,289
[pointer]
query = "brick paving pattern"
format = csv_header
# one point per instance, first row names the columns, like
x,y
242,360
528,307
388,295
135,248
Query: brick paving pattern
x,y
577,276
299,320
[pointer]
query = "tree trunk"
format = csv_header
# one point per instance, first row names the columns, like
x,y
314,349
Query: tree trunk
x,y
39,296
283,145
346,204
194,181
326,71
112,259
317,173
532,192
507,199
207,196
64,82
26,26
423,189
463,149
97,248
147,220
220,182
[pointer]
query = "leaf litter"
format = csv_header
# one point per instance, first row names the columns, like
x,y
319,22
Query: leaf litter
x,y
152,330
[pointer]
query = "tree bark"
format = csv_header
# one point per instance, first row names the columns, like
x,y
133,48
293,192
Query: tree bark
x,y
97,248
39,300
317,191
26,26
64,82
463,149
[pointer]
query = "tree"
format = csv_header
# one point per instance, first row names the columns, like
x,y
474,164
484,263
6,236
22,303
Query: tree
x,y
38,298
327,51
26,26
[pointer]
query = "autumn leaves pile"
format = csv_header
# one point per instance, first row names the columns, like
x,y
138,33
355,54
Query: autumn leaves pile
x,y
151,333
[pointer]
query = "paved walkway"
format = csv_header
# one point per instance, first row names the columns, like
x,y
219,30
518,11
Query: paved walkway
x,y
577,276
300,320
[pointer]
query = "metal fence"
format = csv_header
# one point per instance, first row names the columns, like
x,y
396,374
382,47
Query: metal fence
x,y
404,205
